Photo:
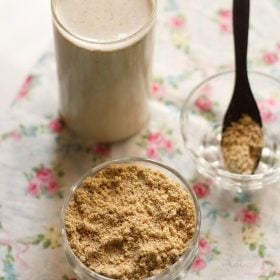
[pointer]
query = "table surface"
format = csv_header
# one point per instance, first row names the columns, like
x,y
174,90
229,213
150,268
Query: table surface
x,y
39,161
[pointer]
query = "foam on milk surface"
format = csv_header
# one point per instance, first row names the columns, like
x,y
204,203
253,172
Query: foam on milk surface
x,y
103,20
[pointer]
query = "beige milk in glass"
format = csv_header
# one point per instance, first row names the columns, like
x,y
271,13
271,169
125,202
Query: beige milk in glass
x,y
104,57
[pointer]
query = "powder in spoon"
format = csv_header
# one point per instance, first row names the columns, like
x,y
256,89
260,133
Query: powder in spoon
x,y
130,222
242,145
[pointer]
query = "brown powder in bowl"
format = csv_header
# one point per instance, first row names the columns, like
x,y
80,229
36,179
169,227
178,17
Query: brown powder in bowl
x,y
242,145
130,222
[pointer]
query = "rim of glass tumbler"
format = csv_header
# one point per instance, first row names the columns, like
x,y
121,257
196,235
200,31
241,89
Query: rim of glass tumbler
x,y
114,43
254,181
193,245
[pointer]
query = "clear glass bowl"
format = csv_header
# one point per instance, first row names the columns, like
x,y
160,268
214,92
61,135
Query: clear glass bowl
x,y
177,270
201,124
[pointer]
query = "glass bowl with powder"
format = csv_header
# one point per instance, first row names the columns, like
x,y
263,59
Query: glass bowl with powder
x,y
201,126
131,219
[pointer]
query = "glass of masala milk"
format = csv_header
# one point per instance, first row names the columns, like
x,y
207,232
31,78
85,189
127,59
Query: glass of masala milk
x,y
104,58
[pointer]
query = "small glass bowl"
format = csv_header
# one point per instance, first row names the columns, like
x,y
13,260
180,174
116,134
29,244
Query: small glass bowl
x,y
178,269
201,125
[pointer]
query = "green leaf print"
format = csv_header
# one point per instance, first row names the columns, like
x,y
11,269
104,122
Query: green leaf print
x,y
60,173
253,207
28,176
216,251
46,244
252,246
38,239
262,251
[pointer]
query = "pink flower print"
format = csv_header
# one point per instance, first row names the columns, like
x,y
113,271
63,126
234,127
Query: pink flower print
x,y
56,125
226,27
15,135
45,176
33,189
268,116
53,187
177,22
265,108
157,90
199,264
249,217
101,150
168,146
226,14
25,87
201,190
152,153
204,247
206,89
155,138
271,102
226,21
270,58
204,104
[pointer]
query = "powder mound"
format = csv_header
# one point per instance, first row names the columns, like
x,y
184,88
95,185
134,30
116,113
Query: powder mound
x,y
242,145
130,222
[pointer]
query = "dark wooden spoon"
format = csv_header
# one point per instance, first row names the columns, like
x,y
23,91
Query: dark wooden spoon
x,y
242,101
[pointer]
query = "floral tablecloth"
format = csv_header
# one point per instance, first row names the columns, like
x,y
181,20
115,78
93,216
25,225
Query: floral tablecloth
x,y
39,161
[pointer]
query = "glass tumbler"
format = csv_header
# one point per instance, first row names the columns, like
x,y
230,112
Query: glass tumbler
x,y
104,83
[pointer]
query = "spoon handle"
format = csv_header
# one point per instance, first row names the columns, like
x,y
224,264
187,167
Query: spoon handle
x,y
241,13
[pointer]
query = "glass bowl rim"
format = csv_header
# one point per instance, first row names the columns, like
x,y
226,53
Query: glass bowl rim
x,y
220,172
94,170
